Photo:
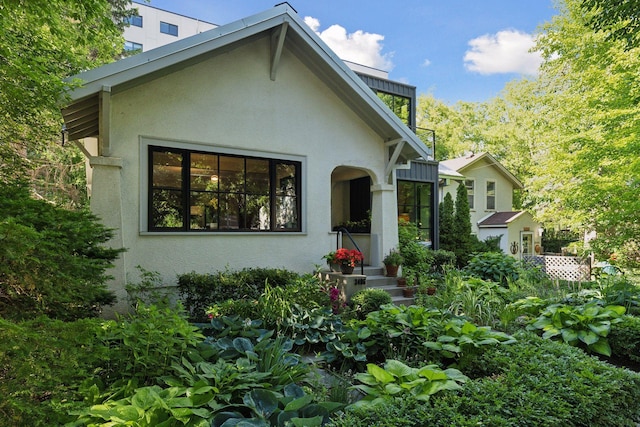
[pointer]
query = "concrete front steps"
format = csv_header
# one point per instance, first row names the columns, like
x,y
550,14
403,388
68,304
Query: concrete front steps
x,y
373,278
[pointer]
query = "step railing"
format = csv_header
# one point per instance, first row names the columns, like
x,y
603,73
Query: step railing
x,y
341,231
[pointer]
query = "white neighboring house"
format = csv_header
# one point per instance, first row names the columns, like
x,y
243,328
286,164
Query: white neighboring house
x,y
490,189
153,27
237,146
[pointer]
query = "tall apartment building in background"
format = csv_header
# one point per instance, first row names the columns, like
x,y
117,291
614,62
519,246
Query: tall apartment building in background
x,y
153,27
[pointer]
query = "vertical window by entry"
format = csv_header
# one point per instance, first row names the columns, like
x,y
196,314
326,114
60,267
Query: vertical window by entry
x,y
415,204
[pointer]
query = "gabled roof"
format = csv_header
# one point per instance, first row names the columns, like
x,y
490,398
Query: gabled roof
x,y
285,29
461,164
499,219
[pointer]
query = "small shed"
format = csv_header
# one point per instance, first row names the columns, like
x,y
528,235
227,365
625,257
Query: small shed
x,y
520,233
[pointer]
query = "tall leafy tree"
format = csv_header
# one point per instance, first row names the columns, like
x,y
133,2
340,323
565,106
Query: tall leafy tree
x,y
571,134
43,42
592,85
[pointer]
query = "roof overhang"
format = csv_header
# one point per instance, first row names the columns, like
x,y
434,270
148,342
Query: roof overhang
x,y
282,24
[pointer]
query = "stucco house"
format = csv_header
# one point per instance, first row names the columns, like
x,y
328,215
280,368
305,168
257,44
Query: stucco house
x,y
490,188
236,147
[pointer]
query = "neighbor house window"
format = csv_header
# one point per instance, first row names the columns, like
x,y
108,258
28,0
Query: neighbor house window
x,y
135,20
132,47
167,28
491,195
471,186
202,191
415,204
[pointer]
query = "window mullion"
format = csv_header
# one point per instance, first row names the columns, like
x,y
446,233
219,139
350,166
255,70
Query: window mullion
x,y
186,189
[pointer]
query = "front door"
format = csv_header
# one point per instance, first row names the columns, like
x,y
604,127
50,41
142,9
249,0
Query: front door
x,y
526,243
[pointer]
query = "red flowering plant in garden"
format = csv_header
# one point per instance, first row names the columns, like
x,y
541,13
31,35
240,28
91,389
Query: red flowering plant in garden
x,y
350,257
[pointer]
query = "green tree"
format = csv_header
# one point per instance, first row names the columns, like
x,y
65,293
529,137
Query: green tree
x,y
447,232
43,42
570,135
52,260
618,19
462,227
589,169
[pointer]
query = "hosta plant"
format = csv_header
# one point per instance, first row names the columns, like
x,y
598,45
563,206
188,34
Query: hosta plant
x,y
588,324
395,379
462,337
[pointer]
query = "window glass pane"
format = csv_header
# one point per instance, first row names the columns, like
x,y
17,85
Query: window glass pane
x,y
231,174
166,209
470,184
257,213
231,211
132,46
167,28
135,20
257,176
167,169
286,197
491,195
203,211
406,193
204,172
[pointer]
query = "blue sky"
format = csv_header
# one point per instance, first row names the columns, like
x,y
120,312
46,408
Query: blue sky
x,y
458,50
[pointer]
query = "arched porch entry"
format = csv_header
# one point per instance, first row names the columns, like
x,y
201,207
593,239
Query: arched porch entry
x,y
367,208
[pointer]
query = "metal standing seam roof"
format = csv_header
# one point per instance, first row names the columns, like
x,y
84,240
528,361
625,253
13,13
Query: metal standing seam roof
x,y
82,114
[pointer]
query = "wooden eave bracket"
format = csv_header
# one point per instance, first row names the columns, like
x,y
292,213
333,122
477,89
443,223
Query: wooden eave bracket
x,y
104,122
277,44
396,145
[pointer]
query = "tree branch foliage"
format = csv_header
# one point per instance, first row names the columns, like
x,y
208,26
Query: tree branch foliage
x,y
572,134
43,42
618,19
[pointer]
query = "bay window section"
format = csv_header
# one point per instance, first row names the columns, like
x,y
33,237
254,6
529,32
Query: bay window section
x,y
199,191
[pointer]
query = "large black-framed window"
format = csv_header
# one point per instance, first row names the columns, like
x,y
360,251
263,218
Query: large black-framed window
x,y
415,204
205,191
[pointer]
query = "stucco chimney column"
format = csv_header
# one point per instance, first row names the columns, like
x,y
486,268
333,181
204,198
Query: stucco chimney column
x,y
106,203
384,221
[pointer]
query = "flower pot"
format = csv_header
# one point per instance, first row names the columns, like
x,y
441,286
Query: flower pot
x,y
408,292
431,291
346,269
335,267
392,270
402,282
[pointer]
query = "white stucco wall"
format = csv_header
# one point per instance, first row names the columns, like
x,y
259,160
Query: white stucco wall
x,y
228,102
524,223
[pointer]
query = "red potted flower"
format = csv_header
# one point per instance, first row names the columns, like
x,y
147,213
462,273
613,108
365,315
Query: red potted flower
x,y
348,259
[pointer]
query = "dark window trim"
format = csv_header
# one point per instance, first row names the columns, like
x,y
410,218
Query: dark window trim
x,y
432,217
186,191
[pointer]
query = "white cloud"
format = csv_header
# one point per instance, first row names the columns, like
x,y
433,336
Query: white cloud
x,y
426,63
359,47
504,52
